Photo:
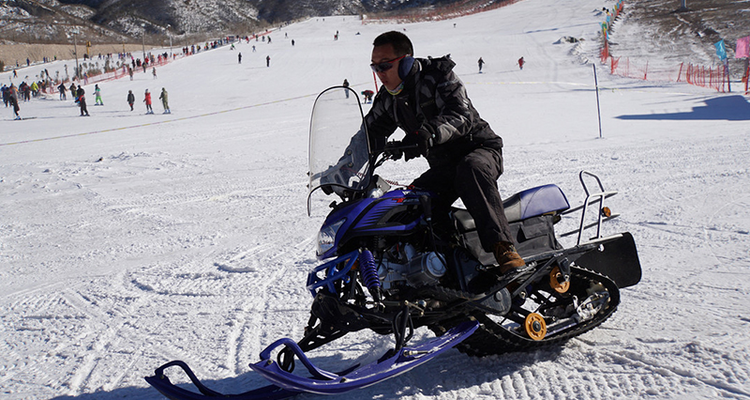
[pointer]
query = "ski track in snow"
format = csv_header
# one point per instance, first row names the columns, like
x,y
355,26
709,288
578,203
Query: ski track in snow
x,y
188,239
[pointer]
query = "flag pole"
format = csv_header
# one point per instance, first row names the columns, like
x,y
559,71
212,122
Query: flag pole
x,y
598,110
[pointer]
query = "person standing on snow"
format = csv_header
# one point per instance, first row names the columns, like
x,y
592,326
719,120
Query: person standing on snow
x,y
164,97
131,99
426,99
368,95
268,61
98,96
147,100
81,96
521,62
346,87
73,92
481,63
13,101
153,71
62,89
239,58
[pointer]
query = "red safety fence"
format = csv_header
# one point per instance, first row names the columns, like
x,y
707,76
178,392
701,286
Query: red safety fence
x,y
123,70
113,74
715,78
698,75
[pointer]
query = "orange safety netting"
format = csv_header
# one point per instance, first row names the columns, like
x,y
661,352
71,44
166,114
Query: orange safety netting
x,y
698,75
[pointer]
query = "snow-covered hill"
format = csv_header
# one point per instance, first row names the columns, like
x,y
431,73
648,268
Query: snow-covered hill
x,y
128,240
112,21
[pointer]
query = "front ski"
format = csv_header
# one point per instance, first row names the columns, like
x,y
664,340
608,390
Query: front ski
x,y
287,384
161,383
389,365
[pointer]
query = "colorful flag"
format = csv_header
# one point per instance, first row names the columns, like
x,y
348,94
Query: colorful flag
x,y
721,50
743,47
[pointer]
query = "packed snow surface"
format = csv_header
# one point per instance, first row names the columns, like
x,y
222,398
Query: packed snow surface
x,y
128,240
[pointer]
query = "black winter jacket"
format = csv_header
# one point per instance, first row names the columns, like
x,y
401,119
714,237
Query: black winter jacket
x,y
434,99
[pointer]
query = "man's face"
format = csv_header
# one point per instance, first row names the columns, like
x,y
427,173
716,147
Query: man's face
x,y
385,53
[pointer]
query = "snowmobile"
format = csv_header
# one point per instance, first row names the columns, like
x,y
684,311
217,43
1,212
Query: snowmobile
x,y
387,264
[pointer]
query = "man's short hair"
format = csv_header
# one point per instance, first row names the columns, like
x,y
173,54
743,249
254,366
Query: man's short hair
x,y
400,42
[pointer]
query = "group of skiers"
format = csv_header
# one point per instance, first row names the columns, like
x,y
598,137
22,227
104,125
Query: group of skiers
x,y
10,96
520,63
24,91
164,97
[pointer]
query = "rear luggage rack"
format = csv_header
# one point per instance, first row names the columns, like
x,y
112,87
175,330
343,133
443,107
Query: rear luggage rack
x,y
604,213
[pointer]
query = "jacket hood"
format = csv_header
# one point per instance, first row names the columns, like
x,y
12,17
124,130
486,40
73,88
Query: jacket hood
x,y
443,64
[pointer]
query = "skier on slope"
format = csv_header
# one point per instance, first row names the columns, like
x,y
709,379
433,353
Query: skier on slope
x,y
73,90
13,100
164,97
368,95
147,100
131,99
81,96
98,96
62,89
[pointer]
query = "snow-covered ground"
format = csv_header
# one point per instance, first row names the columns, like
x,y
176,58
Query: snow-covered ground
x,y
128,240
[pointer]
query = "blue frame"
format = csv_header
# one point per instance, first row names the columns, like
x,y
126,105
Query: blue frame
x,y
332,273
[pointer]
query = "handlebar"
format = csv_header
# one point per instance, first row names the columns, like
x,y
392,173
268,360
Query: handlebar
x,y
394,150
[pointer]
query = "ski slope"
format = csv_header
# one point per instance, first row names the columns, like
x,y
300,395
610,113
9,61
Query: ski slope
x,y
128,240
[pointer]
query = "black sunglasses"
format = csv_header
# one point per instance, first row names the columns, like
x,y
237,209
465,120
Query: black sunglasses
x,y
385,65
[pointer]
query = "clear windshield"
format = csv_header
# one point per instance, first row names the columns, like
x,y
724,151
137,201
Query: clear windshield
x,y
339,148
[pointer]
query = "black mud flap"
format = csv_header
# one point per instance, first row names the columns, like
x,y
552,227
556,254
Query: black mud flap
x,y
617,259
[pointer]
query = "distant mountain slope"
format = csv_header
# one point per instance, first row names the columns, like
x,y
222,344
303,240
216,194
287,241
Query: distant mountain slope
x,y
53,21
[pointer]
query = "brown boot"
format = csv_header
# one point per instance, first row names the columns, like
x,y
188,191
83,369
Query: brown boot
x,y
507,257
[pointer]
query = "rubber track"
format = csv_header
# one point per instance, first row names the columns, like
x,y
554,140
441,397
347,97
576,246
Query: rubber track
x,y
492,339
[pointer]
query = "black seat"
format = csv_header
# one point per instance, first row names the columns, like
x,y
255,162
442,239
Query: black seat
x,y
522,205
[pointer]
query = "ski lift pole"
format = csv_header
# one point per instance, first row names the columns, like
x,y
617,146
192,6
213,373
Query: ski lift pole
x,y
598,110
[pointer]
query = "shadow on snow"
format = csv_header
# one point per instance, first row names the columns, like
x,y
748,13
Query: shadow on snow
x,y
729,108
473,373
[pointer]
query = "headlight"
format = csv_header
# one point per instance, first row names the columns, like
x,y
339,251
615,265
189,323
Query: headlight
x,y
327,236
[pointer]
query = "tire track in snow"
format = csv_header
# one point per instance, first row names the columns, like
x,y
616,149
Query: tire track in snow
x,y
644,360
104,339
246,334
